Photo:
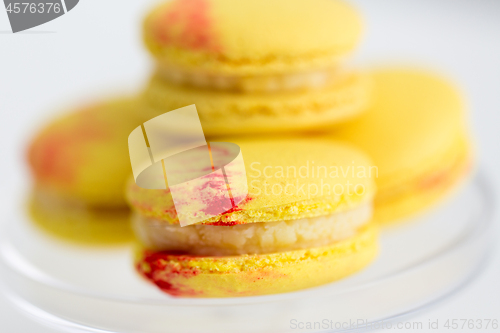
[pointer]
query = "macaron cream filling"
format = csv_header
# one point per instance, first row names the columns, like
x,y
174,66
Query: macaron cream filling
x,y
251,238
309,79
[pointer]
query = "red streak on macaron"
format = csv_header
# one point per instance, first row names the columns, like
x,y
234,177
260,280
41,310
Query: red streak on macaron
x,y
237,208
218,200
187,24
172,213
165,271
55,156
443,176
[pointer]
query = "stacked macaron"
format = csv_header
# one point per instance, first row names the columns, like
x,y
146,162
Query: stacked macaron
x,y
259,67
306,221
255,66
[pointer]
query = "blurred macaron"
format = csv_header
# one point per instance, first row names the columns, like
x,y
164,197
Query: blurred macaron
x,y
256,66
83,155
416,133
251,45
224,112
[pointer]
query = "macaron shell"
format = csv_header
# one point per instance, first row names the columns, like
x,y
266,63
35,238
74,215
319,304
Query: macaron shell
x,y
416,133
281,183
225,112
80,225
250,275
83,156
431,188
251,37
415,118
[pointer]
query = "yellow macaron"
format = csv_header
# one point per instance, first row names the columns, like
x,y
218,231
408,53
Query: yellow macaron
x,y
258,274
251,44
83,156
416,134
255,66
80,225
224,112
307,215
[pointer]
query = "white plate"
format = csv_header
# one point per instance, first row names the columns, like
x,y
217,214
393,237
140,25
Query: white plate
x,y
85,289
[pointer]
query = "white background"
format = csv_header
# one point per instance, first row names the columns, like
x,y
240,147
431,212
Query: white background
x,y
95,50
